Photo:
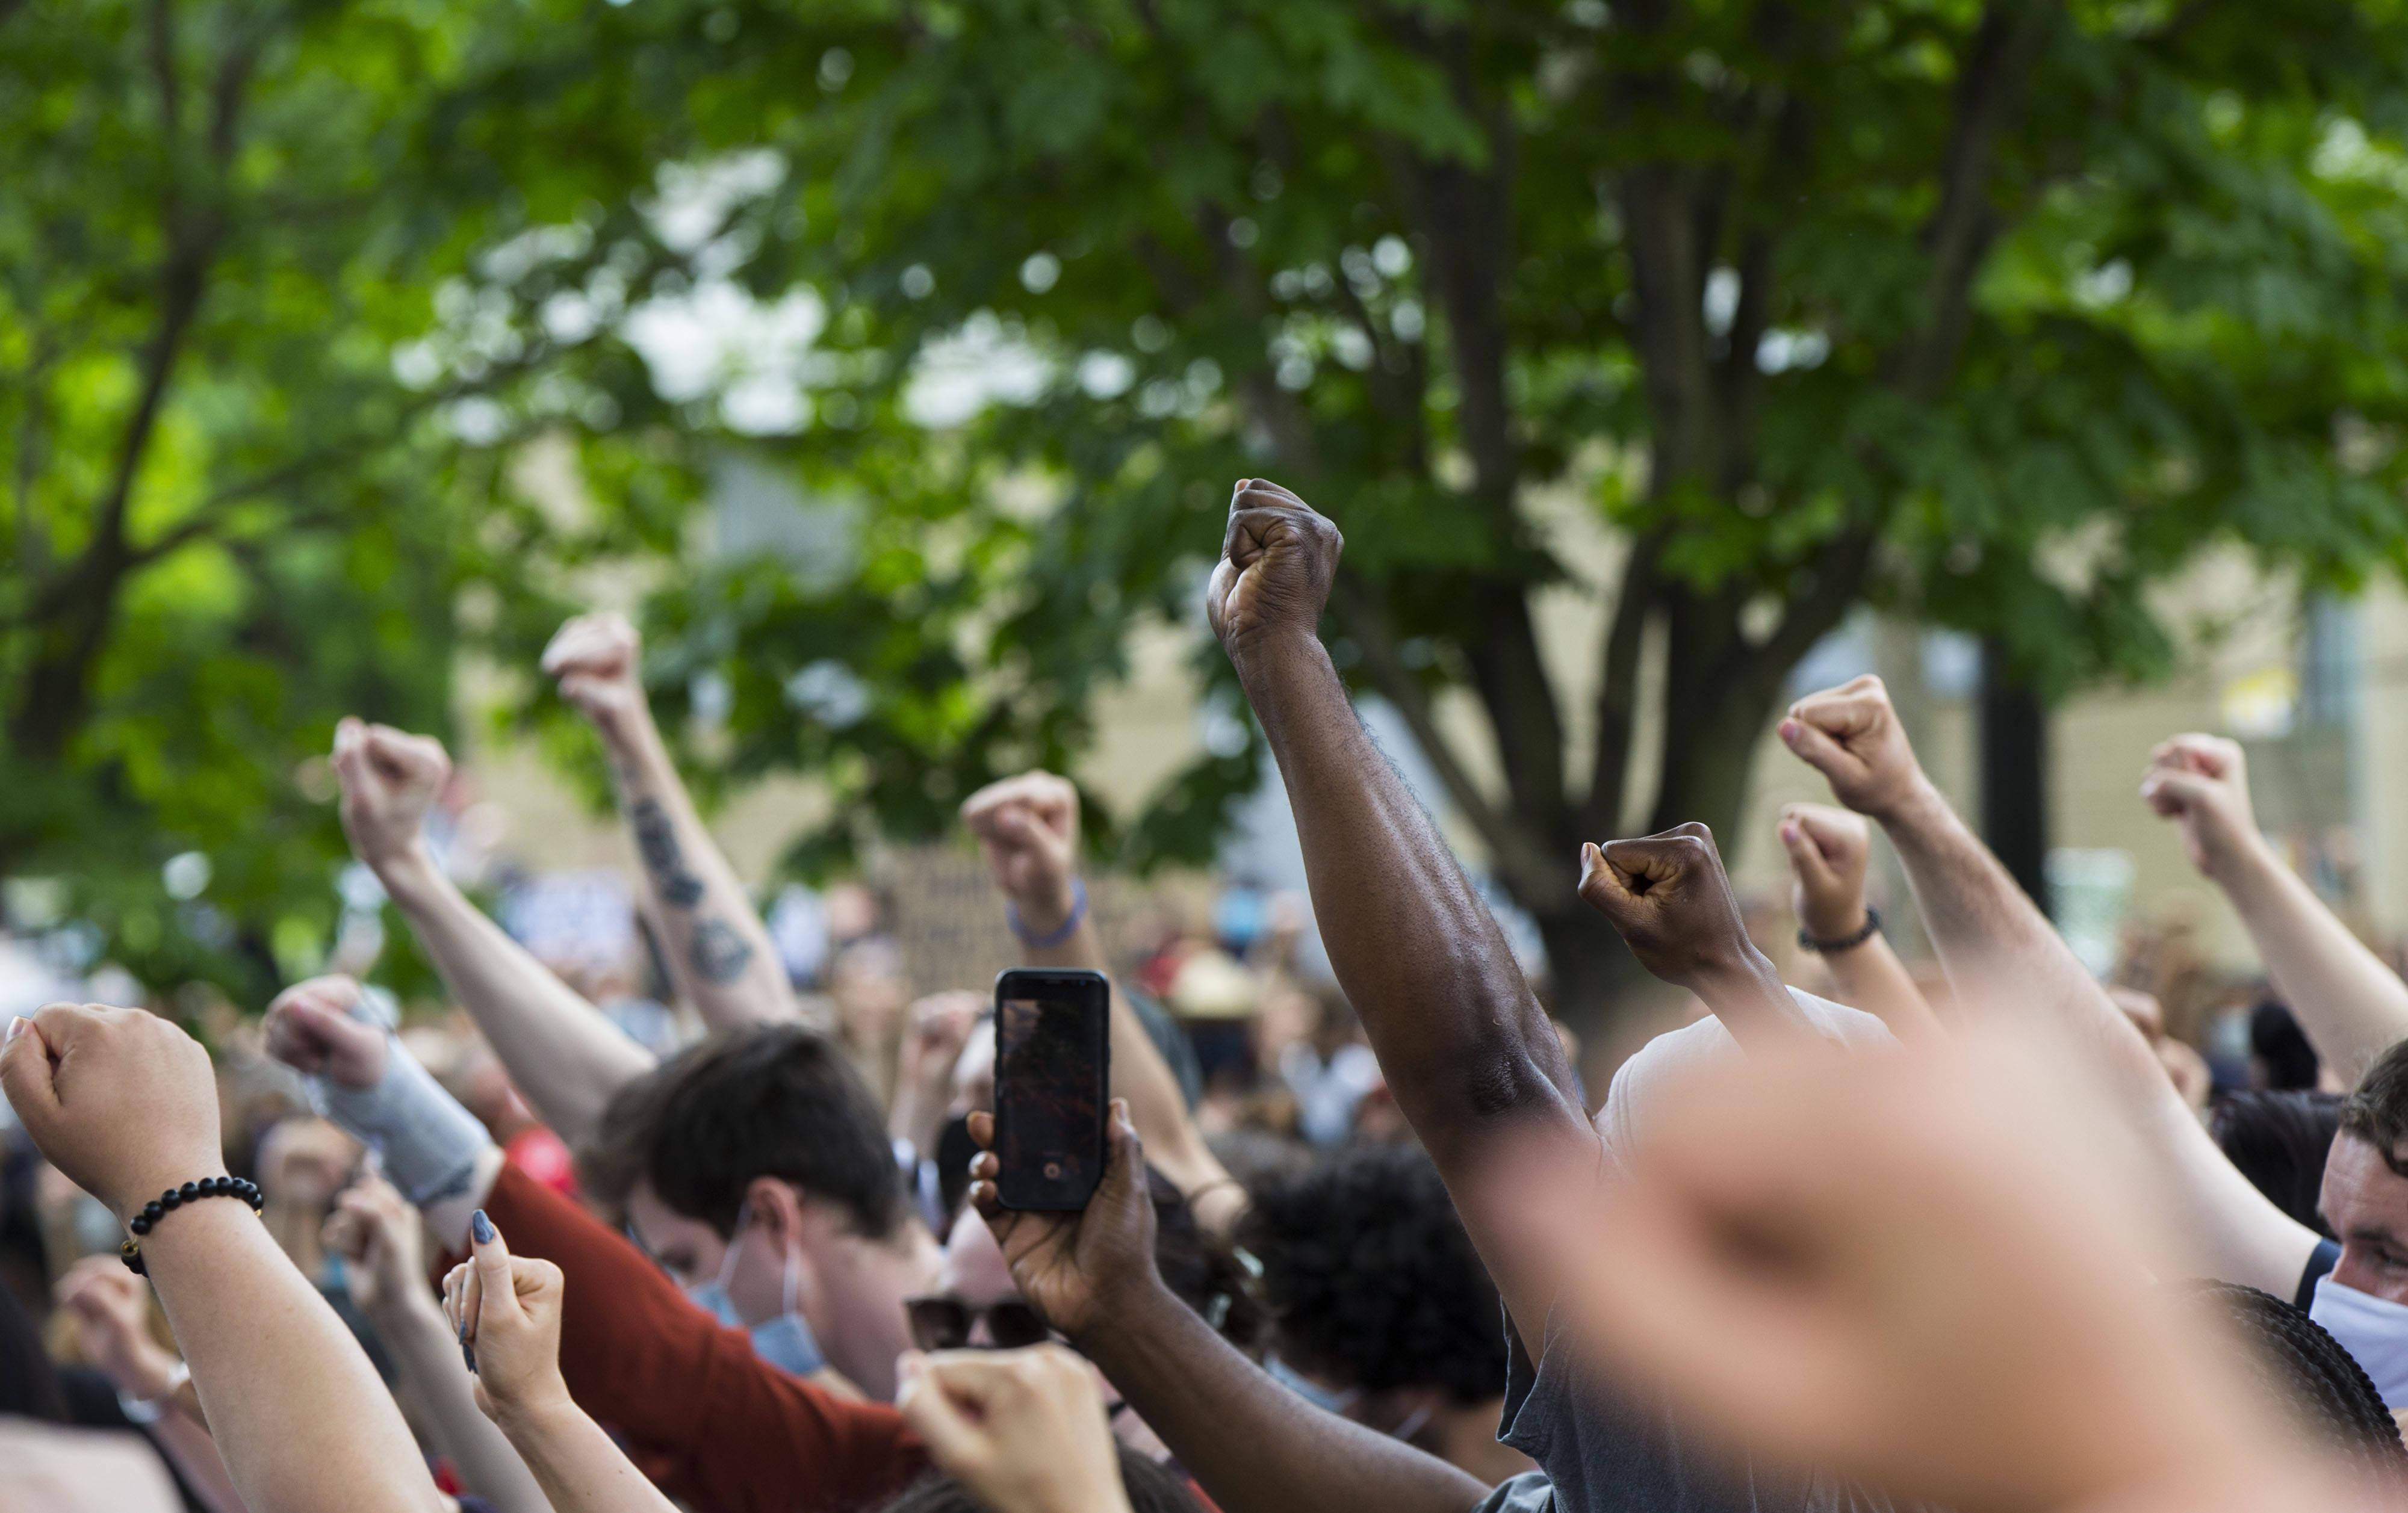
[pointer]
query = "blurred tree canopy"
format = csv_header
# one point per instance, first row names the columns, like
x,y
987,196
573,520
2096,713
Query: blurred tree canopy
x,y
1990,313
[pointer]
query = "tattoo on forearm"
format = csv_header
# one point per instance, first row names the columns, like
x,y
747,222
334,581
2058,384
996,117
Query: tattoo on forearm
x,y
719,954
656,839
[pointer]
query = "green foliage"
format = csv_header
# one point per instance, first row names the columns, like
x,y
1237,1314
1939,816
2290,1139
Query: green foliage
x,y
1993,314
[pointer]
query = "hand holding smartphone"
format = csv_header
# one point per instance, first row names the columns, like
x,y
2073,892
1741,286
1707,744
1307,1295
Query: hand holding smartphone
x,y
1052,1079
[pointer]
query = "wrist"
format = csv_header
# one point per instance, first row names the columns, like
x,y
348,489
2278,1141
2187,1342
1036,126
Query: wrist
x,y
1123,1313
408,872
2240,861
534,1410
1835,922
631,740
1273,651
148,1374
1920,805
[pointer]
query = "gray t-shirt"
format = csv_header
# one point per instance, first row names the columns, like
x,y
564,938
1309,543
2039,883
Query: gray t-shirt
x,y
1609,1447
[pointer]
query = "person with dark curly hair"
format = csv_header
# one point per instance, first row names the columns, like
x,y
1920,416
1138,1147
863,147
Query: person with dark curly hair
x,y
1381,1310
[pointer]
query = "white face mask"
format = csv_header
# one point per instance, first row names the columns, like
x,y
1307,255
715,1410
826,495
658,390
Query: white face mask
x,y
2373,1330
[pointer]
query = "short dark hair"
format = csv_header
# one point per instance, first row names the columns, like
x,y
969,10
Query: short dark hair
x,y
2280,1048
1372,1277
1152,1487
770,1100
2377,1111
2279,1141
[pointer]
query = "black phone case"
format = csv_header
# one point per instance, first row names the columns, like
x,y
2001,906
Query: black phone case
x,y
1030,1192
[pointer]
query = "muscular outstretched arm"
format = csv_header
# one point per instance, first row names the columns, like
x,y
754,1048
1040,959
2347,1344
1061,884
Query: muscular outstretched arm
x,y
558,1049
2003,957
718,952
2352,1006
1467,1049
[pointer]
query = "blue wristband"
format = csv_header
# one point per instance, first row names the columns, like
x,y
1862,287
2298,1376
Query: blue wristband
x,y
1070,926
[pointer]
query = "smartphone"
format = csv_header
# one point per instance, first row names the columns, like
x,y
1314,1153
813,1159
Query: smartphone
x,y
1052,1066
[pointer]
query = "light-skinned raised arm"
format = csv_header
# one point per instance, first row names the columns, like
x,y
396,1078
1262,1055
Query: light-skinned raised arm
x,y
561,1053
1028,827
374,1228
2005,960
718,952
124,1104
1829,851
2351,1007
507,1311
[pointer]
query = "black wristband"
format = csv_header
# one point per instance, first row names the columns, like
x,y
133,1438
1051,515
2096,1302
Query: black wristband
x,y
175,1197
1870,928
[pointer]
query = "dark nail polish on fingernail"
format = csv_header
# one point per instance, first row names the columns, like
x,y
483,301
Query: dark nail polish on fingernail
x,y
482,1227
468,1353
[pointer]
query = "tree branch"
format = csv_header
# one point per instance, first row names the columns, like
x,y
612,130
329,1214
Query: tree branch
x,y
1508,844
1617,689
1989,94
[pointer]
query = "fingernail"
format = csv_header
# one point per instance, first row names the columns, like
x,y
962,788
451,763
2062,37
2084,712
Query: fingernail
x,y
1789,731
16,1028
468,1353
482,1227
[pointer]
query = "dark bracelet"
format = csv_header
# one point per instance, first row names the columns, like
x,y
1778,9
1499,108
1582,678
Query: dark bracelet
x,y
1847,942
1070,926
175,1197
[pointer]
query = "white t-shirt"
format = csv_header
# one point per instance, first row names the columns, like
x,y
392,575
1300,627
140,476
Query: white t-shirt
x,y
1641,1082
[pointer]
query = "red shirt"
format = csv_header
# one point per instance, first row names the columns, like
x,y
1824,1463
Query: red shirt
x,y
712,1423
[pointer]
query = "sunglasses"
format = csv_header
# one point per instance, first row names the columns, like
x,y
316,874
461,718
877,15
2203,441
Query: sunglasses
x,y
943,1323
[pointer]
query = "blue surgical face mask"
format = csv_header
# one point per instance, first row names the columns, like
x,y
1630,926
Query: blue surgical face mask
x,y
784,1341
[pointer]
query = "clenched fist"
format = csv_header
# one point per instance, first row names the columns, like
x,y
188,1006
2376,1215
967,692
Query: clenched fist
x,y
1028,827
375,1229
311,1029
597,661
1850,735
1668,898
120,1101
390,780
2202,783
1025,1431
1827,851
506,1310
1277,563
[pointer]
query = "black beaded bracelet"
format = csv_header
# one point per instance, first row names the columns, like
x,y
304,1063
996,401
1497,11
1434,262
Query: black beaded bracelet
x,y
175,1197
1870,928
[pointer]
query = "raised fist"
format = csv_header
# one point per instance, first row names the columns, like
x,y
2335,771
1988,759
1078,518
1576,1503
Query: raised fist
x,y
119,1100
1850,735
375,1229
1024,1430
390,780
506,1310
1277,563
111,1309
1028,827
939,1027
311,1029
1827,851
2202,783
1668,898
597,661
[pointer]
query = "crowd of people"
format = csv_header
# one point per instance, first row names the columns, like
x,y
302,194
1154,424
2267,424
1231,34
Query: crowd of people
x,y
1990,1239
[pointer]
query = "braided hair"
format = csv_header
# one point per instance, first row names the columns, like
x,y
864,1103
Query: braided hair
x,y
2295,1362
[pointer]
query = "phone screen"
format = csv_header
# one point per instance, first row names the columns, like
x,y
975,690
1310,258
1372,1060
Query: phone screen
x,y
1051,1045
